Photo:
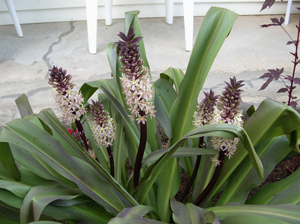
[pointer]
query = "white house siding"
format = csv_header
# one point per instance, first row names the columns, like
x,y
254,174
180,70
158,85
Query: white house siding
x,y
40,11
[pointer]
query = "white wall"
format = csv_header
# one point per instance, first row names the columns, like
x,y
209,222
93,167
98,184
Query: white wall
x,y
40,11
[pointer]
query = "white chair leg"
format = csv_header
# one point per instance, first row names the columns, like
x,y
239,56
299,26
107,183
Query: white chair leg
x,y
91,15
188,12
288,12
169,11
108,12
14,16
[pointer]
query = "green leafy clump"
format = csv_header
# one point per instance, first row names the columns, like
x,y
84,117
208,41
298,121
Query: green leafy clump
x,y
48,176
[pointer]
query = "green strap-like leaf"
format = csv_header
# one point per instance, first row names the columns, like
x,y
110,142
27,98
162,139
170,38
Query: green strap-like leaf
x,y
181,152
162,117
213,32
134,215
131,19
8,214
23,105
267,192
166,94
19,189
271,119
187,213
220,130
89,88
244,178
132,131
173,75
7,160
250,219
290,195
287,213
100,152
120,150
39,197
44,222
48,149
102,173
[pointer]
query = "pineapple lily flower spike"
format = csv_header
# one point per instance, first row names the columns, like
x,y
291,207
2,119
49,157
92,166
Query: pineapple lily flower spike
x,y
137,88
68,99
226,111
103,129
203,116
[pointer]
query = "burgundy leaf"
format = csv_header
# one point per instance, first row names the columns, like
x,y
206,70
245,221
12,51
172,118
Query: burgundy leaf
x,y
266,84
281,20
267,3
288,77
294,97
291,42
294,104
282,90
266,25
298,61
297,81
277,22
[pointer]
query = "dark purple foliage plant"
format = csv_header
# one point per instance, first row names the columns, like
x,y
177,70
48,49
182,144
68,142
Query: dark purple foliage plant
x,y
289,81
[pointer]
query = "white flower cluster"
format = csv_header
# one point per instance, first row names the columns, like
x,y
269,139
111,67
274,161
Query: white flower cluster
x,y
201,117
225,144
139,97
106,134
70,104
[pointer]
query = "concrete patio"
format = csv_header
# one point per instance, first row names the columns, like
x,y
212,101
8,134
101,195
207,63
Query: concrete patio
x,y
247,54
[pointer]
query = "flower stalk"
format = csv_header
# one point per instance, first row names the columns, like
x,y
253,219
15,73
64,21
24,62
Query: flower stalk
x,y
226,111
203,116
137,87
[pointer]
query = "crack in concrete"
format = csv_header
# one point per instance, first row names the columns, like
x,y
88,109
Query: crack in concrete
x,y
46,57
